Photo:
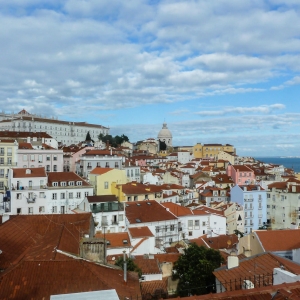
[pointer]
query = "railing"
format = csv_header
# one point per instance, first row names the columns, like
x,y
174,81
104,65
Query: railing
x,y
34,187
30,200
107,207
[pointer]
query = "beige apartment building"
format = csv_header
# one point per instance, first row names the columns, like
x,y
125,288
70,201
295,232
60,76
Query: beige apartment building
x,y
211,150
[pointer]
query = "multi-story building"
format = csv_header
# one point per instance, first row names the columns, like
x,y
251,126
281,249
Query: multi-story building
x,y
108,212
98,158
211,151
8,159
213,194
32,191
253,198
241,174
195,223
66,190
234,214
50,159
161,222
27,191
102,179
283,205
64,132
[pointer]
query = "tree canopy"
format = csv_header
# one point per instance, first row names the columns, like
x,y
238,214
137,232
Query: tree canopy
x,y
113,141
194,270
131,266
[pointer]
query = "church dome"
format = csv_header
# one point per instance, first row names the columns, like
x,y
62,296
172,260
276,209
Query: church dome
x,y
164,133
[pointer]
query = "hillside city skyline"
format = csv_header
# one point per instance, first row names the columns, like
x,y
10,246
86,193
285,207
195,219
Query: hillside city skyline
x,y
214,72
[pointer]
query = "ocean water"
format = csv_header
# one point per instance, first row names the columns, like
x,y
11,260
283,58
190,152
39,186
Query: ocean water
x,y
287,162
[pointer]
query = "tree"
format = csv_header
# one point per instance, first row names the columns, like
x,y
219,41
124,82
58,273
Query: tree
x,y
131,266
194,270
88,136
113,141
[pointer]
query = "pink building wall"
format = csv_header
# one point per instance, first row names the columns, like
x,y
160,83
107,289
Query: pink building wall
x,y
241,174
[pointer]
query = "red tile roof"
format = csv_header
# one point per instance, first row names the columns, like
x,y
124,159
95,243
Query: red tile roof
x,y
102,198
41,279
28,172
138,212
178,210
279,240
116,240
139,232
100,171
43,233
65,177
258,269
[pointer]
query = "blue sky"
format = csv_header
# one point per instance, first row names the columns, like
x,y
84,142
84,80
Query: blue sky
x,y
215,71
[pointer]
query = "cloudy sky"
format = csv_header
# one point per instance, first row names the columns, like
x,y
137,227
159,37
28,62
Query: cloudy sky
x,y
216,71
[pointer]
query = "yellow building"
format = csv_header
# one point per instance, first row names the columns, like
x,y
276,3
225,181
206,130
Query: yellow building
x,y
211,150
134,191
102,180
8,159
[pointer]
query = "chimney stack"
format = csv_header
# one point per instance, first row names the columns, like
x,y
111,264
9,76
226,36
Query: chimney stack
x,y
125,266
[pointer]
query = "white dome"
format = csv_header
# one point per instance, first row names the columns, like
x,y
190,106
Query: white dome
x,y
164,133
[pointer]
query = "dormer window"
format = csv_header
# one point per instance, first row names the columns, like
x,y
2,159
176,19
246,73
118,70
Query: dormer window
x,y
54,183
71,183
79,183
63,183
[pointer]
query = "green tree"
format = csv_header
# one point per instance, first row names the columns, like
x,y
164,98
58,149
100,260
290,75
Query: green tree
x,y
131,266
113,141
88,136
194,270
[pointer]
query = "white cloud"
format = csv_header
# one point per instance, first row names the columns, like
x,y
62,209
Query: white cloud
x,y
265,109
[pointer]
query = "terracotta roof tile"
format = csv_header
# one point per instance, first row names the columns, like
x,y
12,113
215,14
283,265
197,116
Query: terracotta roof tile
x,y
269,239
100,171
138,212
41,279
65,177
138,232
102,198
178,210
116,240
28,172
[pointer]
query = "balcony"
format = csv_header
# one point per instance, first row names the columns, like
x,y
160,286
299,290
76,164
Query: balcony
x,y
33,187
30,200
107,207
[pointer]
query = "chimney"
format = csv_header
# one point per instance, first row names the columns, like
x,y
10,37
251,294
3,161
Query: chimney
x,y
232,262
293,189
28,139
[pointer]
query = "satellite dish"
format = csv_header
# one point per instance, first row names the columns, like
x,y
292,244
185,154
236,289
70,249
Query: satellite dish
x,y
113,258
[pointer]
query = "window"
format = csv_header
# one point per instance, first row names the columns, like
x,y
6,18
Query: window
x,y
157,229
54,209
54,157
86,194
71,195
41,209
106,185
42,195
71,183
9,151
120,218
48,168
48,157
172,227
32,157
19,196
25,157
54,196
19,211
190,233
30,210
203,223
54,168
190,223
78,195
54,183
197,223
62,195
